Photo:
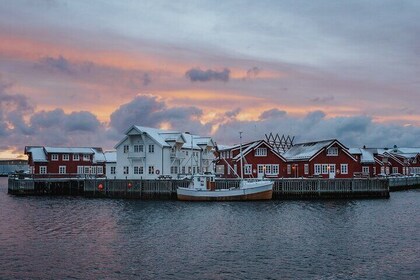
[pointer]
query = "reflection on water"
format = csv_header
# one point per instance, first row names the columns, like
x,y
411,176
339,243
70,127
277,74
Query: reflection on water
x,y
79,238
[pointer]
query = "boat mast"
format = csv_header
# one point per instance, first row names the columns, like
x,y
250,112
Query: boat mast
x,y
240,152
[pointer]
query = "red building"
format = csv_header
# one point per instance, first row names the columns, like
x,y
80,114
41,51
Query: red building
x,y
370,164
259,160
65,162
326,159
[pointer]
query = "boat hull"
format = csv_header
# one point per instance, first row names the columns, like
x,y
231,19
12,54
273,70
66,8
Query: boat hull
x,y
257,193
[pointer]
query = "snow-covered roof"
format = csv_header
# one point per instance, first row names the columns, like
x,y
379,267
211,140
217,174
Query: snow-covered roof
x,y
68,150
246,149
162,137
110,156
366,155
38,154
305,151
98,155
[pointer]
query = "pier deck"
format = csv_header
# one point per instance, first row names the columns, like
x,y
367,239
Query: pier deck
x,y
166,189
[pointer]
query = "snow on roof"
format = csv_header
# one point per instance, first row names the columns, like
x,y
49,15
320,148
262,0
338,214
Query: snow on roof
x,y
306,150
67,150
246,149
38,154
110,156
155,134
98,155
196,141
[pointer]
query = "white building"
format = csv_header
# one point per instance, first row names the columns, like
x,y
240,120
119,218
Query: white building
x,y
110,164
149,153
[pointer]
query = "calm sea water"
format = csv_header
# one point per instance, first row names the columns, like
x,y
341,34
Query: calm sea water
x,y
79,238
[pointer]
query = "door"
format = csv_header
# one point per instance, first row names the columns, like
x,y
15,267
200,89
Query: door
x,y
331,172
260,169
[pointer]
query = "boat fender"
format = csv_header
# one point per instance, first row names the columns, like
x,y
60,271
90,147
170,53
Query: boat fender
x,y
129,185
157,171
100,187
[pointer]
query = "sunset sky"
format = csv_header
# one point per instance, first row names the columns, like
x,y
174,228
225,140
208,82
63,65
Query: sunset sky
x,y
79,73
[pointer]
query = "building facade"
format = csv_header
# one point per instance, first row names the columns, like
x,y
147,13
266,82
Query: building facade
x,y
150,153
65,162
259,160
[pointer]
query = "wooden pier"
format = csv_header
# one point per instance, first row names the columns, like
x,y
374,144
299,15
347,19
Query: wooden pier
x,y
166,189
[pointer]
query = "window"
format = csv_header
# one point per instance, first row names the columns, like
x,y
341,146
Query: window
x,y
235,168
306,168
248,169
289,169
395,169
268,169
54,157
125,170
374,170
79,169
42,170
324,168
126,149
183,170
317,169
151,168
261,152
76,157
275,169
194,170
151,149
174,169
61,170
93,170
228,169
382,170
220,169
112,169
86,169
66,157
86,157
387,170
332,151
138,148
138,169
99,170
365,169
344,168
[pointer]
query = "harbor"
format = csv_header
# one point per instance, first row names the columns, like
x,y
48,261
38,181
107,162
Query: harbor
x,y
166,189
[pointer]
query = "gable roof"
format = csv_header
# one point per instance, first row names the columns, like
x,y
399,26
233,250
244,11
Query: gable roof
x,y
164,137
307,151
38,153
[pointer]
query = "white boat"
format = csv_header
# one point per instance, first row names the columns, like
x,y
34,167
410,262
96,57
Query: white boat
x,y
202,188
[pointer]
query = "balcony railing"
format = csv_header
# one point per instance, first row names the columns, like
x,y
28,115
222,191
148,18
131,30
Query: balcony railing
x,y
136,154
177,155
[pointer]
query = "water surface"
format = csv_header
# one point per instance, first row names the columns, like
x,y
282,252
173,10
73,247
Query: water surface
x,y
80,238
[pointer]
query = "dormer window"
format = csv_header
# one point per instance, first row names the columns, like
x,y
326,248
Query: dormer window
x,y
332,151
261,152
54,157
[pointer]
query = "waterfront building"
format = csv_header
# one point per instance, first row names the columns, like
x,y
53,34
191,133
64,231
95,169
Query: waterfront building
x,y
324,159
151,153
110,164
259,159
64,162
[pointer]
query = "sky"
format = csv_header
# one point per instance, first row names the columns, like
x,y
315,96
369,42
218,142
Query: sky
x,y
80,73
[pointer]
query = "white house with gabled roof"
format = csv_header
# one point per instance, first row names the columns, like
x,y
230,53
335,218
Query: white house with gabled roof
x,y
150,153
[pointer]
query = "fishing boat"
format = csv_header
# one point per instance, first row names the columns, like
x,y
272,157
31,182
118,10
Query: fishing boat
x,y
202,187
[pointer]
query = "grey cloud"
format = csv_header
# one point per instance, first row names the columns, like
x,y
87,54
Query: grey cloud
x,y
233,113
82,121
52,64
147,110
272,114
198,75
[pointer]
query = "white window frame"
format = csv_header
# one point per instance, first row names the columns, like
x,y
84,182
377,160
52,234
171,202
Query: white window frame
x,y
54,157
332,151
76,157
86,170
113,169
126,170
80,169
261,152
93,170
66,157
86,157
365,170
344,168
151,169
247,169
306,169
62,169
395,169
289,169
126,149
324,169
99,170
317,169
151,149
43,169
